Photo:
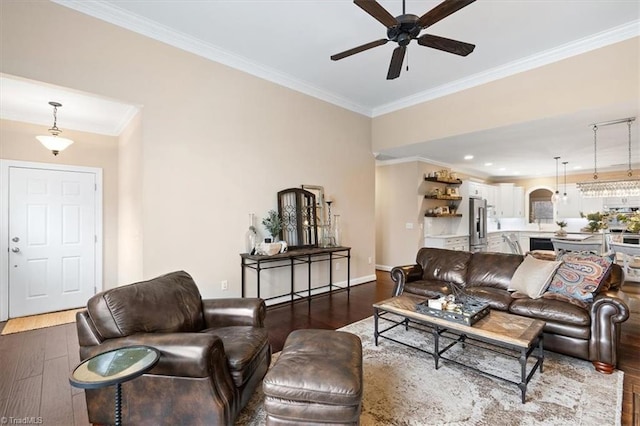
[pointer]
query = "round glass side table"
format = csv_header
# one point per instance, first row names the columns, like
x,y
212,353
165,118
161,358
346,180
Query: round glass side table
x,y
113,368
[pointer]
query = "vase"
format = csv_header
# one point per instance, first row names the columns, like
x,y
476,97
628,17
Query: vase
x,y
337,231
250,237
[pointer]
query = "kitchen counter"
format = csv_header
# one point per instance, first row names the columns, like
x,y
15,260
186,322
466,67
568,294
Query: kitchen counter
x,y
445,236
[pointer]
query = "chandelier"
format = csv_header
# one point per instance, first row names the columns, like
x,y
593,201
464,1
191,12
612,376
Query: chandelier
x,y
612,188
54,142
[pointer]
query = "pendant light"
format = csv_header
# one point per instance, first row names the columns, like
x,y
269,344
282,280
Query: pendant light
x,y
565,198
615,188
556,196
54,142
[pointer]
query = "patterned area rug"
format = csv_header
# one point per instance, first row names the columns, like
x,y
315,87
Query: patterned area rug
x,y
402,387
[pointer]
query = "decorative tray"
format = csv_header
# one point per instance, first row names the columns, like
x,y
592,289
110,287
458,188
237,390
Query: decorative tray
x,y
470,313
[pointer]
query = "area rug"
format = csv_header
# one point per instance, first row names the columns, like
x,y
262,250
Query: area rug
x,y
34,322
402,387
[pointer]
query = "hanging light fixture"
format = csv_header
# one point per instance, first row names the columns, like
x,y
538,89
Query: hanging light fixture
x,y
565,197
556,196
54,142
612,188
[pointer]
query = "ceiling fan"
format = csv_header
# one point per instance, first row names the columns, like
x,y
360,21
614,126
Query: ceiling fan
x,y
406,27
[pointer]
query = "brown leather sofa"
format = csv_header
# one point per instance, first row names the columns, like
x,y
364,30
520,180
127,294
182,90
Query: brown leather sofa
x,y
591,333
213,352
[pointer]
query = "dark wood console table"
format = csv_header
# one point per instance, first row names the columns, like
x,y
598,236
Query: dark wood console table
x,y
291,259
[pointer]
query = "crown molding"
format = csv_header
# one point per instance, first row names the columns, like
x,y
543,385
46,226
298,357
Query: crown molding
x,y
577,47
117,16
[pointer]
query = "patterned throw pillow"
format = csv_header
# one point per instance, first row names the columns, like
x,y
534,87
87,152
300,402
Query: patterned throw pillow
x,y
580,275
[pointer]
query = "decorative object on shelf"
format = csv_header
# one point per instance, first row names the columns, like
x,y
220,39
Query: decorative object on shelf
x,y
612,188
597,221
556,195
269,249
453,192
444,210
561,232
632,221
318,191
328,231
337,230
54,142
273,224
251,236
298,213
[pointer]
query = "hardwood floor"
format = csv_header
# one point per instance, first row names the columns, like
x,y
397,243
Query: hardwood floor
x,y
35,365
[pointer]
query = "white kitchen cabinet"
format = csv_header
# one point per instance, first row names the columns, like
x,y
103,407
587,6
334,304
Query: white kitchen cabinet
x,y
495,242
450,242
504,205
518,201
620,202
476,189
590,205
572,207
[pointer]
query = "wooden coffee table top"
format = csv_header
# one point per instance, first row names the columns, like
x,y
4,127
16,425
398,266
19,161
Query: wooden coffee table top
x,y
499,326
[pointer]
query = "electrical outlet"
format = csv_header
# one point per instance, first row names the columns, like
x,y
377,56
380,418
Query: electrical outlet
x,y
224,285
408,225
337,266
369,260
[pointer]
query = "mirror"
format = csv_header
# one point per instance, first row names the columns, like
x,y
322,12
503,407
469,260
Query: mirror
x,y
297,209
540,206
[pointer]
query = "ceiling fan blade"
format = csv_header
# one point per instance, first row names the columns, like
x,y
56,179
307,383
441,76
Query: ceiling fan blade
x,y
396,62
374,9
358,49
446,44
441,11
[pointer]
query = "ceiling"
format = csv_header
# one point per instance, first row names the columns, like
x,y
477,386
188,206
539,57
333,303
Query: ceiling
x,y
290,42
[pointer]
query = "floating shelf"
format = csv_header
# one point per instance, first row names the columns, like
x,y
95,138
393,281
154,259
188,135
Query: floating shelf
x,y
443,197
441,180
443,215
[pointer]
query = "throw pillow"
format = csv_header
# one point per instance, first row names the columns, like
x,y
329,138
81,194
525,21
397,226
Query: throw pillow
x,y
533,276
580,275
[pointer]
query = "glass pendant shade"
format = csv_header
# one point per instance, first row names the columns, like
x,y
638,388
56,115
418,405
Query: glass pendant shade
x,y
54,144
555,197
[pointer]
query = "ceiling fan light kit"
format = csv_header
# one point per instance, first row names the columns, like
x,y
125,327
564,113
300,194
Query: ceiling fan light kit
x,y
406,27
53,142
612,188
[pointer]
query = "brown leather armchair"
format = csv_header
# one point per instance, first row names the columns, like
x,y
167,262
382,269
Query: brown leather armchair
x,y
213,352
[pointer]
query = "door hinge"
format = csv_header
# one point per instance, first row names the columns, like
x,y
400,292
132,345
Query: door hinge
x,y
95,238
95,186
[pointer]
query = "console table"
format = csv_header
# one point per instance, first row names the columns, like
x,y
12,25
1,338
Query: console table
x,y
297,257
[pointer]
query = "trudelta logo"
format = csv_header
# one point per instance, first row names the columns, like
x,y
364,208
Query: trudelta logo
x,y
21,420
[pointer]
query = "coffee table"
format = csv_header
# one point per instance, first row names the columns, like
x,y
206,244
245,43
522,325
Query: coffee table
x,y
511,335
113,368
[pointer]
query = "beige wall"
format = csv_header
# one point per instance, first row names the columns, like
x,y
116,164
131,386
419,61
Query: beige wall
x,y
130,241
18,142
216,144
593,80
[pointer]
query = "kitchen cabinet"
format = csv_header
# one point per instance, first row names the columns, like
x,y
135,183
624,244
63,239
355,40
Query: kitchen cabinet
x,y
620,203
447,192
572,207
510,201
452,242
495,243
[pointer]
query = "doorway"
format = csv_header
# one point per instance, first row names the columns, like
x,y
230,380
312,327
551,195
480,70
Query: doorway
x,y
52,230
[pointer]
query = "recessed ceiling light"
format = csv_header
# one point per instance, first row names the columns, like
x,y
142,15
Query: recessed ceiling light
x,y
502,169
488,164
577,167
468,157
516,173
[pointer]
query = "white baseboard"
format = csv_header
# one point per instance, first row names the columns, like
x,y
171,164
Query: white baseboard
x,y
384,268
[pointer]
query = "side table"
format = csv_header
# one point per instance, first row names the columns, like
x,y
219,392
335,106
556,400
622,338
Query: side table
x,y
114,367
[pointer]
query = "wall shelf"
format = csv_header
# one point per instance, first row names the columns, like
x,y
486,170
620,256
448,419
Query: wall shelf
x,y
443,197
445,181
443,215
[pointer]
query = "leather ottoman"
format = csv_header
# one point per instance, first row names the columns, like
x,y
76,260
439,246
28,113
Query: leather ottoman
x,y
316,381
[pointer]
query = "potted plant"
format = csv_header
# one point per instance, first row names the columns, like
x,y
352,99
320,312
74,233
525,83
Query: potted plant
x,y
273,224
561,232
597,221
632,221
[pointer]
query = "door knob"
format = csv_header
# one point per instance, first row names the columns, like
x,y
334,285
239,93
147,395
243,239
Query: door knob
x,y
15,250
15,239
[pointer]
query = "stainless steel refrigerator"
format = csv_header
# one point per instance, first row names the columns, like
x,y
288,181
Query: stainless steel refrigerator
x,y
477,224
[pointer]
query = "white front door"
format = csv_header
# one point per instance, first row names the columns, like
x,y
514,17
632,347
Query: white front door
x,y
52,240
